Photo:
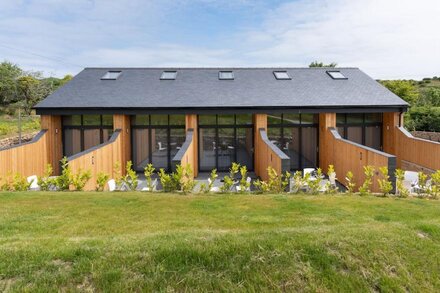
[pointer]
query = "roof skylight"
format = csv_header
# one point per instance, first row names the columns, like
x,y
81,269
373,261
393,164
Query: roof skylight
x,y
168,75
111,75
336,75
280,75
226,75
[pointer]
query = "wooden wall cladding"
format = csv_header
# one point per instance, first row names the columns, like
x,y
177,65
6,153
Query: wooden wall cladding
x,y
26,159
54,153
192,156
101,158
122,122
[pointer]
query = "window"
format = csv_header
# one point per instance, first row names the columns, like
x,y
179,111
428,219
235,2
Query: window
x,y
112,75
81,132
226,75
336,75
280,75
365,129
168,75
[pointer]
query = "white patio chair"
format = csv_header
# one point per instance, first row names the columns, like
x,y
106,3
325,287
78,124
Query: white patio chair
x,y
248,180
33,180
410,180
111,185
308,171
332,178
154,184
161,148
214,188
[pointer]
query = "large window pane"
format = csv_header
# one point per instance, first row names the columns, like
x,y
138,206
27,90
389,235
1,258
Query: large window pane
x,y
159,147
245,147
340,118
177,138
309,119
309,141
207,119
274,119
226,119
141,146
72,120
291,118
207,149
243,119
373,136
107,134
92,120
274,135
141,120
72,142
373,117
290,146
92,137
159,120
177,119
226,148
354,133
107,120
355,118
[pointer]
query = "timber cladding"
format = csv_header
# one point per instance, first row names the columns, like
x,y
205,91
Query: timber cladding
x,y
101,158
26,159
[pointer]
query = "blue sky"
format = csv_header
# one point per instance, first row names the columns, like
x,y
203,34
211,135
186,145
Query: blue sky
x,y
386,39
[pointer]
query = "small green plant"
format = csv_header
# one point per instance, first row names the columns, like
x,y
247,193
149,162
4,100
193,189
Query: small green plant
x,y
6,184
80,179
166,180
205,188
298,183
46,182
422,180
401,191
101,180
185,181
435,184
148,172
385,185
329,187
130,180
261,186
118,175
364,189
63,181
20,183
229,180
244,184
315,182
351,185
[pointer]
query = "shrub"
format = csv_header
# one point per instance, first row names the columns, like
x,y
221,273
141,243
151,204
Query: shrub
x,y
422,179
101,180
20,183
351,185
184,178
435,184
329,187
166,180
118,175
275,184
315,183
244,185
63,181
6,184
45,182
385,184
364,189
401,191
228,180
130,180
148,172
298,182
80,179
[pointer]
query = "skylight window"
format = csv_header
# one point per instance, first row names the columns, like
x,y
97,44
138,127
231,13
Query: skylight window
x,y
168,75
336,75
280,75
111,75
228,75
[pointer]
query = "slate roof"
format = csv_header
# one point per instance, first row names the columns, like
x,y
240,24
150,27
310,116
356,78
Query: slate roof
x,y
200,88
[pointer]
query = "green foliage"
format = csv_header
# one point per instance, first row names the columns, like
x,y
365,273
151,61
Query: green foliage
x,y
20,183
364,189
101,180
45,182
435,184
430,98
401,191
423,119
404,89
80,179
385,185
422,181
329,187
229,180
6,183
321,64
298,183
148,172
167,182
130,180
184,178
315,183
351,185
277,183
244,185
63,181
9,73
118,175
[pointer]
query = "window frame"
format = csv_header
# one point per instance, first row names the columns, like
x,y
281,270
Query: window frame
x,y
364,124
174,72
226,78
288,77
105,77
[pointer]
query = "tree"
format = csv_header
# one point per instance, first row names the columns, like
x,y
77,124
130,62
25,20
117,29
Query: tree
x,y
321,64
430,97
30,91
404,89
9,73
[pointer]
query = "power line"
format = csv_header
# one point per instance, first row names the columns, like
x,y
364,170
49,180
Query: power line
x,y
57,59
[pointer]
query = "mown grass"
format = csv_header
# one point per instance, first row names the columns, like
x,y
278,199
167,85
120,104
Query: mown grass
x,y
142,242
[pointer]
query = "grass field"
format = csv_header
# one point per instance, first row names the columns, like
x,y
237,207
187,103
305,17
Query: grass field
x,y
9,125
133,242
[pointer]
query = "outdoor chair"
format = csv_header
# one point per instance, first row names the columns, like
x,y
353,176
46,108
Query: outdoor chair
x,y
33,180
161,148
111,185
410,180
309,171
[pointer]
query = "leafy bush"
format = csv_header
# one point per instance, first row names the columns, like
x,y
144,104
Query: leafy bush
x,y
228,180
422,180
80,179
435,184
329,187
298,182
315,183
63,181
401,191
6,184
148,172
167,182
20,183
424,118
45,182
130,180
385,185
118,175
101,179
364,189
351,185
244,184
275,184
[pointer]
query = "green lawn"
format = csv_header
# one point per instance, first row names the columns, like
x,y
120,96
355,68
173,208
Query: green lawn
x,y
143,242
